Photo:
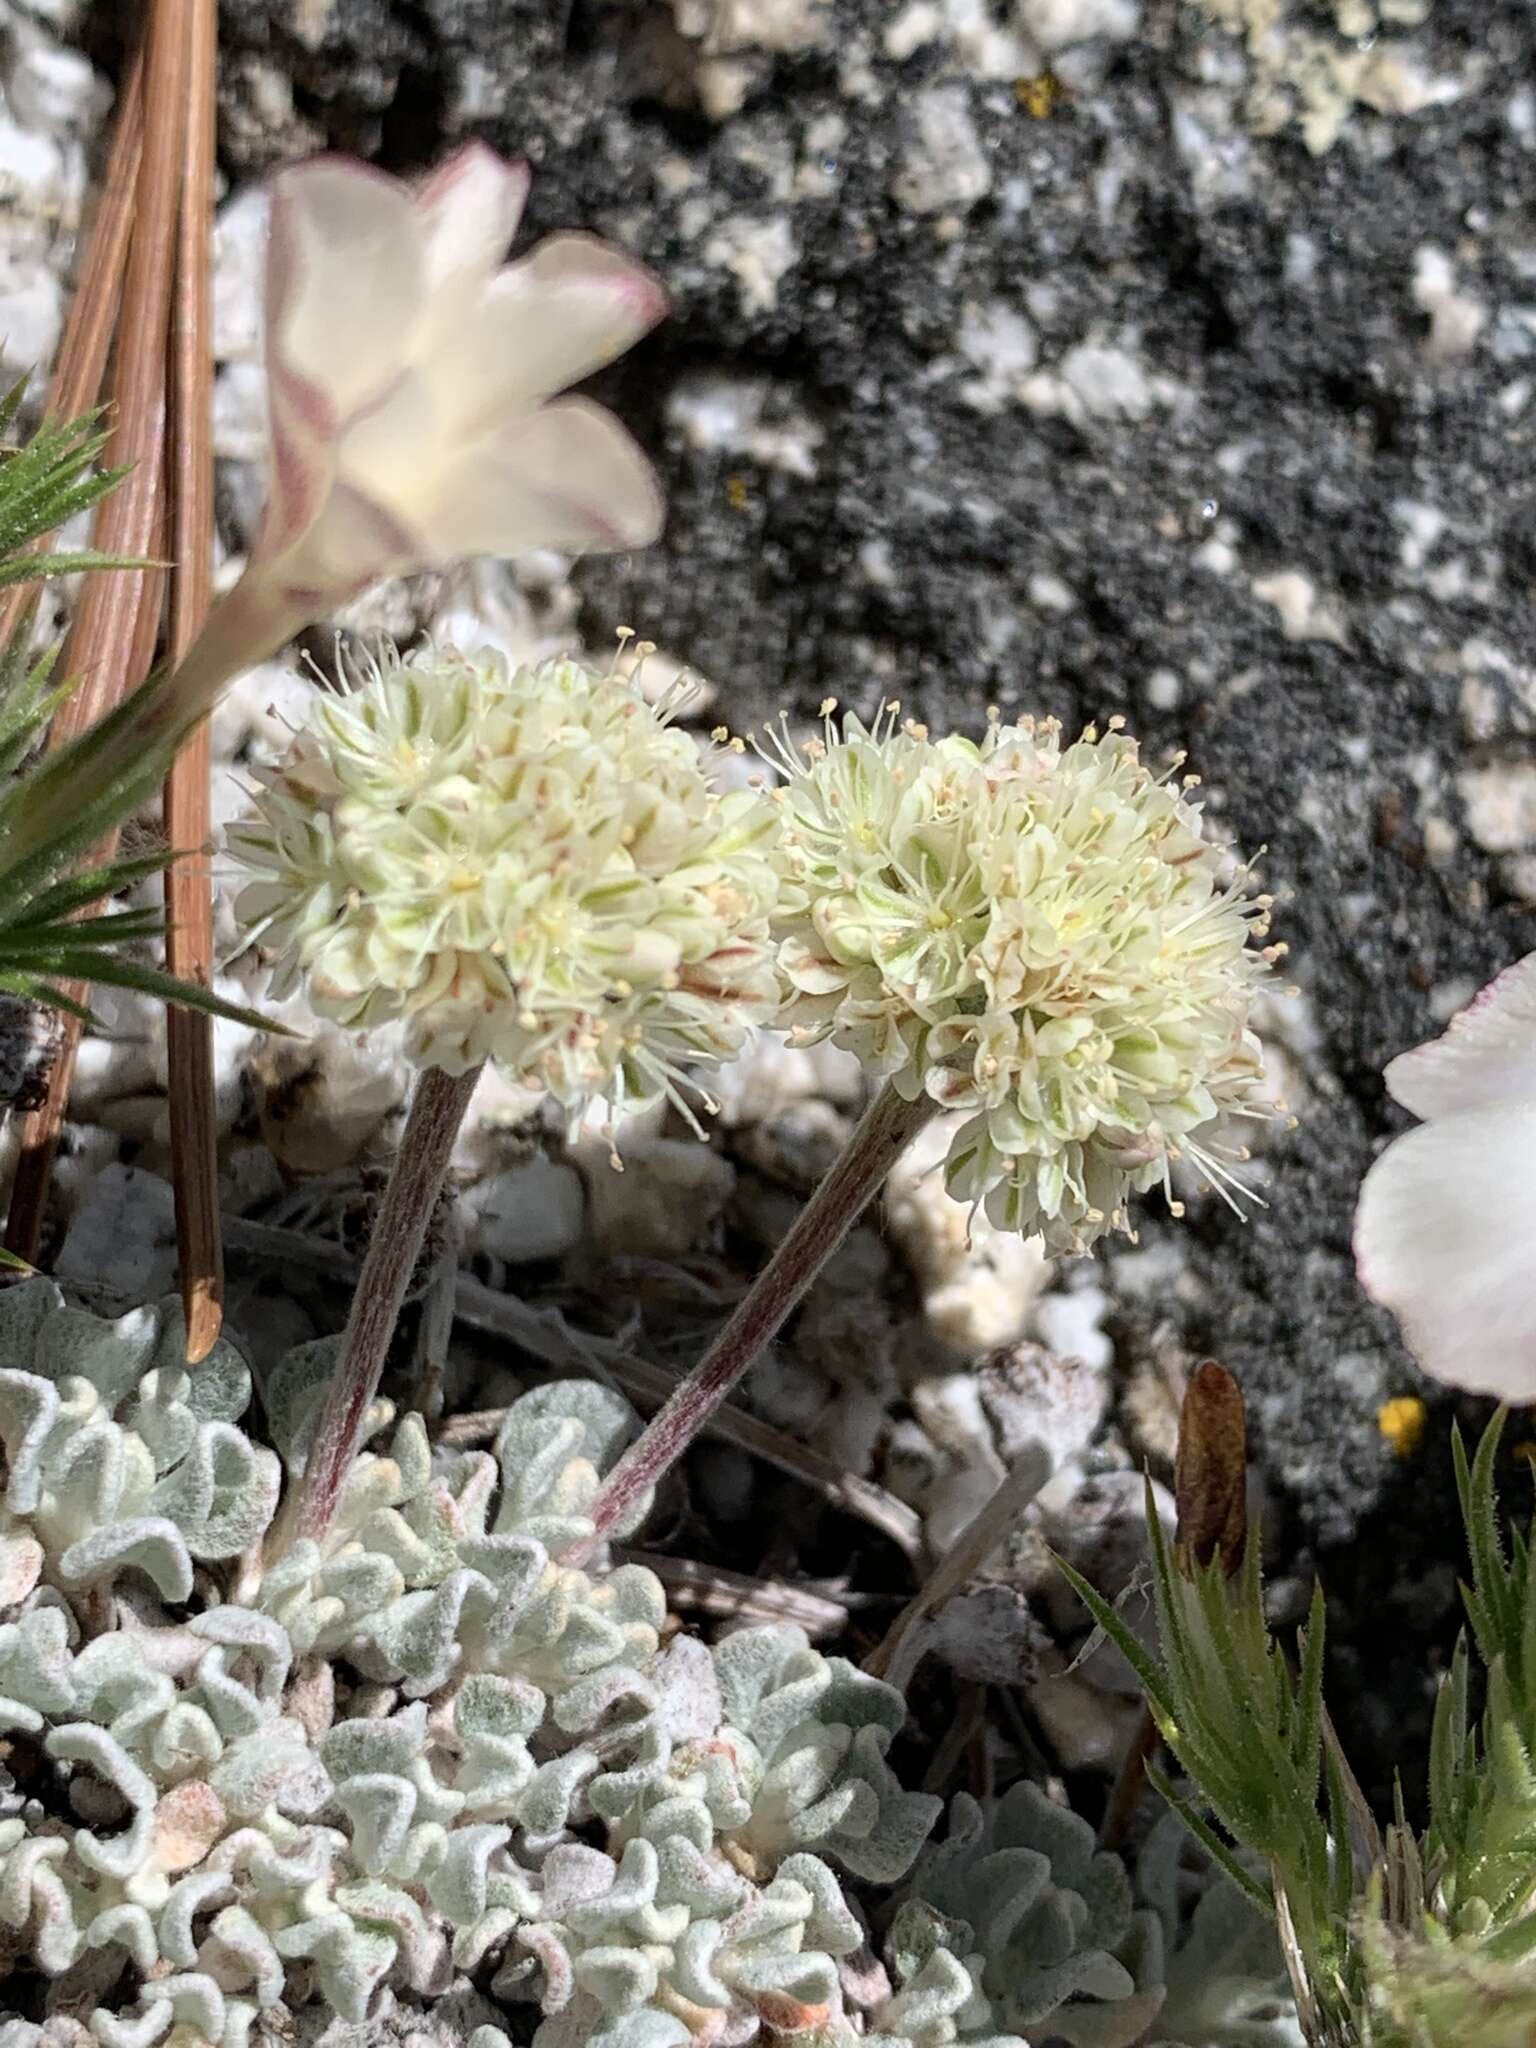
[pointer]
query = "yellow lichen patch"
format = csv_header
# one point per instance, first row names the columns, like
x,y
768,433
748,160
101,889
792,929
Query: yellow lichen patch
x,y
736,493
1039,96
1401,1421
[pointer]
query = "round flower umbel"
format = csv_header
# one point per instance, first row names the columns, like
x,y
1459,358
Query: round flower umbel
x,y
525,865
1032,931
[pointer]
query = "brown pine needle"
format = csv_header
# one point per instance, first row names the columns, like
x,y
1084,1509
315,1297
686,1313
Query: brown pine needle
x,y
188,807
75,384
112,637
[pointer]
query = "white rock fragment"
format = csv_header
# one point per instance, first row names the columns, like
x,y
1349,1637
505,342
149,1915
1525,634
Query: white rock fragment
x,y
1304,615
1056,24
1164,688
944,167
258,715
757,253
49,88
977,1282
31,310
918,23
1456,318
1048,593
1422,527
770,1074
729,25
665,1199
239,258
41,181
1500,801
1094,381
1071,1325
952,1417
724,415
240,412
1088,1728
1000,343
532,1211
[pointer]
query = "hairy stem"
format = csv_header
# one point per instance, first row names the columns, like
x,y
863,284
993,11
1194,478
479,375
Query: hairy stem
x,y
886,1129
415,1182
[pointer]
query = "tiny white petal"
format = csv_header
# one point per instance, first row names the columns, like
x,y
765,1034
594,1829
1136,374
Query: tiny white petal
x,y
568,476
1486,1056
1445,1237
470,208
543,325
346,277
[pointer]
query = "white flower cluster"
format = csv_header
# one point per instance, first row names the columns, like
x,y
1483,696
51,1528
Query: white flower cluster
x,y
527,865
1037,933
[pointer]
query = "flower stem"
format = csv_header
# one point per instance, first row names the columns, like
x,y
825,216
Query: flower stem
x,y
883,1134
415,1182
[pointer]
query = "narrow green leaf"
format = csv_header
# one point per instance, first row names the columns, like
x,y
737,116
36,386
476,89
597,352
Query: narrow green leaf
x,y
1308,1737
1124,1638
92,886
112,972
42,567
1212,1843
42,995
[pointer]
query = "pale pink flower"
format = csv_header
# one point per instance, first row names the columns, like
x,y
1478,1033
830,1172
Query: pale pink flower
x,y
1445,1233
413,381
410,374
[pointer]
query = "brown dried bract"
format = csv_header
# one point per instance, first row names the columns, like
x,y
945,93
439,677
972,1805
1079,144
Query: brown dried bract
x,y
1210,1472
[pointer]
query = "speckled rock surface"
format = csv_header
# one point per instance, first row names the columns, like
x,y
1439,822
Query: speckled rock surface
x,y
1009,366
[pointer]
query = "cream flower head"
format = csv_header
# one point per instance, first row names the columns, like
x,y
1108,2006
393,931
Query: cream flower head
x,y
527,865
1035,932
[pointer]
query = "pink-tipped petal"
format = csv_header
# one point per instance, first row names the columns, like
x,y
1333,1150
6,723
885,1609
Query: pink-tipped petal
x,y
566,477
544,324
1445,1237
346,274
1486,1056
469,209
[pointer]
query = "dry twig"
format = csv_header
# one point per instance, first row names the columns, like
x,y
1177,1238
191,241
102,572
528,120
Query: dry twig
x,y
188,807
735,1596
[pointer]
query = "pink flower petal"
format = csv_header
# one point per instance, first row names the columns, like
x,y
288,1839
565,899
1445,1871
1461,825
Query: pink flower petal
x,y
568,476
542,325
469,210
1486,1057
1445,1237
346,275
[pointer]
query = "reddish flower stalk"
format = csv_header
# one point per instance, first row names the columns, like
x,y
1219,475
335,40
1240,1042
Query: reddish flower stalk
x,y
415,1182
886,1129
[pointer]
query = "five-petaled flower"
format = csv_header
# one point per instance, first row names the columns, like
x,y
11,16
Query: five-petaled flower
x,y
1445,1233
413,382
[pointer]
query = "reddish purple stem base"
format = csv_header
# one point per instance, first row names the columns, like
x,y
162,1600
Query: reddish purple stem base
x,y
415,1182
887,1127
